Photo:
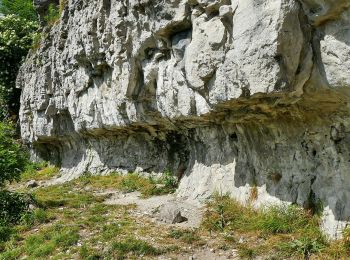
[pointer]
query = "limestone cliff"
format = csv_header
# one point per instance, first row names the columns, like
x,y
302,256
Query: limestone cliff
x,y
228,94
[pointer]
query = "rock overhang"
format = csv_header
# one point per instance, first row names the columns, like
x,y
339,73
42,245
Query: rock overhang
x,y
217,91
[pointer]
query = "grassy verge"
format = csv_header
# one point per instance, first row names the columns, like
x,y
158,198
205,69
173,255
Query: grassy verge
x,y
131,182
71,221
39,172
277,232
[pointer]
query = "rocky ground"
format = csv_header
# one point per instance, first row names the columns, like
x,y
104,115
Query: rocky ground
x,y
90,214
137,217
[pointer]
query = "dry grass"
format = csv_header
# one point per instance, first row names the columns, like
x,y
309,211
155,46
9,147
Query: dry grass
x,y
276,232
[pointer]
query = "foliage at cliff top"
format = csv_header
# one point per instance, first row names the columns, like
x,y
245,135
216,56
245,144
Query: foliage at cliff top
x,y
13,158
21,8
16,37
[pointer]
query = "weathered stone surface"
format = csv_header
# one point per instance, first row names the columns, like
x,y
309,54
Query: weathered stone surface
x,y
228,94
171,213
32,184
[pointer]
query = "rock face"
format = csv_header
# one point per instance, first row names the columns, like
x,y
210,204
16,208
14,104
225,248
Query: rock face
x,y
230,95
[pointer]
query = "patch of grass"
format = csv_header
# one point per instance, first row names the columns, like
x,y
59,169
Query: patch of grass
x,y
38,246
304,246
186,236
346,239
134,247
44,243
88,253
246,252
284,219
36,40
134,182
64,196
13,253
286,230
40,172
73,213
110,231
223,212
131,182
35,217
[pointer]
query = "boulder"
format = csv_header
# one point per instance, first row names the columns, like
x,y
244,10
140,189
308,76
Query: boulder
x,y
171,213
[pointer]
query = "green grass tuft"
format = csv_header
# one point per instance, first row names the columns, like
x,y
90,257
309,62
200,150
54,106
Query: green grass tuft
x,y
134,247
39,172
187,236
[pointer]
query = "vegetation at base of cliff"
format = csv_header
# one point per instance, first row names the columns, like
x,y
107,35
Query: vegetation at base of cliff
x,y
16,37
39,172
13,160
277,232
147,186
13,157
71,220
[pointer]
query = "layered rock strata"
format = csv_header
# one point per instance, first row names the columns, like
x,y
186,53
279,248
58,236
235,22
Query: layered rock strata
x,y
230,95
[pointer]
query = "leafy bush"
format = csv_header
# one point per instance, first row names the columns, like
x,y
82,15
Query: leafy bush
x,y
53,14
12,206
16,36
13,158
21,8
5,232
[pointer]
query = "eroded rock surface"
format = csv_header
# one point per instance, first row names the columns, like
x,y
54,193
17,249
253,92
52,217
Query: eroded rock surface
x,y
227,94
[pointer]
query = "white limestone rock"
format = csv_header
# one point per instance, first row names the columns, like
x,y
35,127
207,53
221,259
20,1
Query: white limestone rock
x,y
227,94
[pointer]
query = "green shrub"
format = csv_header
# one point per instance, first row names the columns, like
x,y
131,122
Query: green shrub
x,y
13,158
5,232
21,8
16,39
53,15
13,206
